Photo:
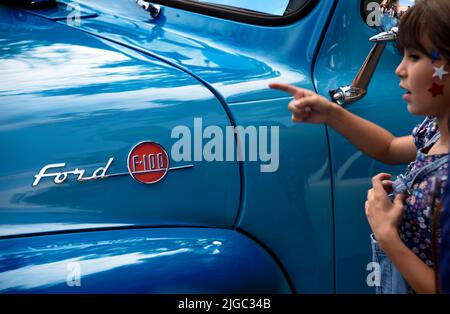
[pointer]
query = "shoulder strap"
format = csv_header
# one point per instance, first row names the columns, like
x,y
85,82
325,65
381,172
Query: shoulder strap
x,y
432,167
433,140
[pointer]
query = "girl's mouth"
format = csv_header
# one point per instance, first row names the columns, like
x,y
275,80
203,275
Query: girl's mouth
x,y
407,96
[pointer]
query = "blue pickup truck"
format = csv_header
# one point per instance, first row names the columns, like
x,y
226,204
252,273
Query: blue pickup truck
x,y
143,151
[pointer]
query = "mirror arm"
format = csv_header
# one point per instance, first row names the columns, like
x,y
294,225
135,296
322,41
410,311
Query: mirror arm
x,y
358,89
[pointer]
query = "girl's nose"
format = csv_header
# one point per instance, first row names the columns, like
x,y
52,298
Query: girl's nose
x,y
401,71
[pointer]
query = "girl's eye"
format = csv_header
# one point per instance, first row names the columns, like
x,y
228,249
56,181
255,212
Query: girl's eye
x,y
413,57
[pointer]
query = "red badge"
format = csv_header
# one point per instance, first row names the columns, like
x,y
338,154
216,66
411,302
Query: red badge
x,y
148,162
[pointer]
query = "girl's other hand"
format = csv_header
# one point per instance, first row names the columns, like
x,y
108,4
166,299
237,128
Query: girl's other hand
x,y
306,106
383,215
387,185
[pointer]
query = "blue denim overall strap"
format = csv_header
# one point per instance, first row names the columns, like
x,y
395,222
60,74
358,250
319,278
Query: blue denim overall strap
x,y
404,183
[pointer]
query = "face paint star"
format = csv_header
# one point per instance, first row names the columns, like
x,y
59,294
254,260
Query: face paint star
x,y
436,90
435,56
439,72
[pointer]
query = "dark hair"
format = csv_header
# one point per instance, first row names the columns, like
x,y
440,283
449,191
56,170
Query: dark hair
x,y
430,18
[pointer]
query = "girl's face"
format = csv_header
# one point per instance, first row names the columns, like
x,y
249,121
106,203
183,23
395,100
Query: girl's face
x,y
424,93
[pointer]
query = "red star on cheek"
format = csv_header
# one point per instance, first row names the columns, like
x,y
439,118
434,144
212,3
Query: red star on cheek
x,y
436,90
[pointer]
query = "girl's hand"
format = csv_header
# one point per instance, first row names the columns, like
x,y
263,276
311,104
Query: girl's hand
x,y
306,106
387,185
383,215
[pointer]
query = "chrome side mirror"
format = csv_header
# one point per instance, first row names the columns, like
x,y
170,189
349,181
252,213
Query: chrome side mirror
x,y
383,15
358,89
153,9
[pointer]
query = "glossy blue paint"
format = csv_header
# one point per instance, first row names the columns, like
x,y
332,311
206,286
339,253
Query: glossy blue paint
x,y
344,50
89,100
212,49
165,260
290,210
63,11
240,74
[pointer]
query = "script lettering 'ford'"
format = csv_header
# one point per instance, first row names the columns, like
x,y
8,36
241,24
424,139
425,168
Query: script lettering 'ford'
x,y
60,177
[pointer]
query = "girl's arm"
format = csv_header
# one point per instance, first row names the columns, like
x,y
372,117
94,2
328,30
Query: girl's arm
x,y
368,137
419,276
372,139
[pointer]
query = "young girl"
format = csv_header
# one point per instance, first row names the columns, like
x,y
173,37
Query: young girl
x,y
402,224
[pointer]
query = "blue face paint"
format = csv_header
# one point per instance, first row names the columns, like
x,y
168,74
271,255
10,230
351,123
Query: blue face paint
x,y
434,55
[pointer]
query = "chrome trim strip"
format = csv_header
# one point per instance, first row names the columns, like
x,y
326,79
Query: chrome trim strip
x,y
127,173
181,167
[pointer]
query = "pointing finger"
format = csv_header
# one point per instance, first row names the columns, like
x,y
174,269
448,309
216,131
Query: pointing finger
x,y
297,92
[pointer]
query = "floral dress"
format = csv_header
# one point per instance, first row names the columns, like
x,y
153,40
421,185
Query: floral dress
x,y
424,196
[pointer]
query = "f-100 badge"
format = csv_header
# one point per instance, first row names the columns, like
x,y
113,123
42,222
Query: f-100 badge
x,y
148,162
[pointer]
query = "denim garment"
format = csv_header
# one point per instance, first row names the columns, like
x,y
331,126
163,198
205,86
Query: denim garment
x,y
391,281
404,183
